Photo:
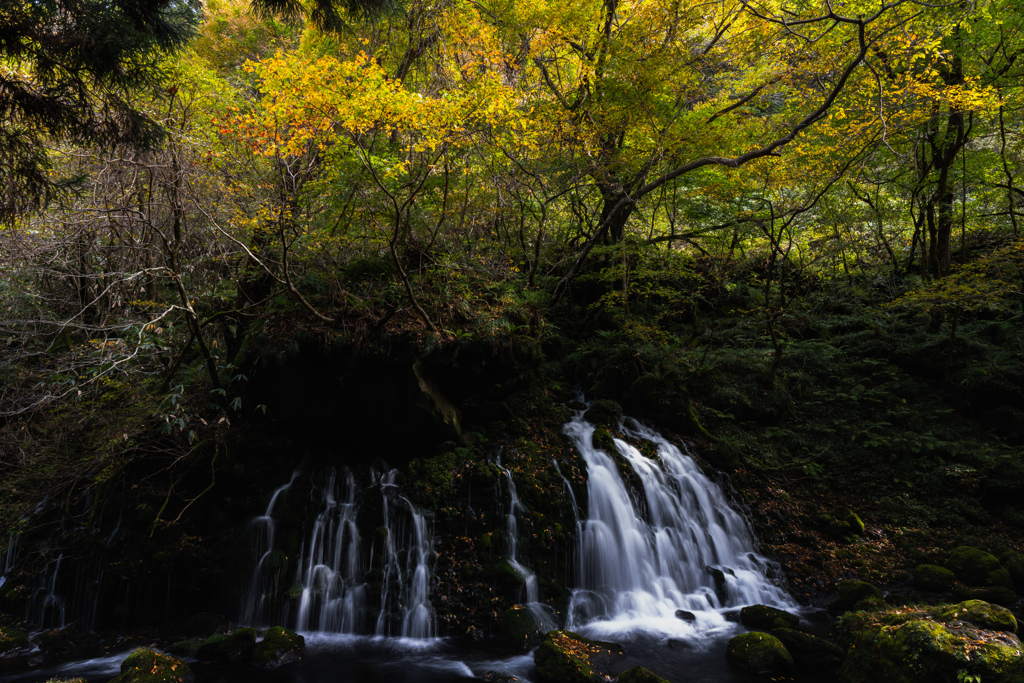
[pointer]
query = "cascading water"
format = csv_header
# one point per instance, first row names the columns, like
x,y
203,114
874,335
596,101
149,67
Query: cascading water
x,y
345,583
643,557
10,555
542,614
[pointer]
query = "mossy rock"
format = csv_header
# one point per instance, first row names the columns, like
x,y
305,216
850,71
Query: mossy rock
x,y
148,666
279,646
758,653
850,522
603,440
999,595
976,567
981,614
604,412
931,577
234,647
810,651
763,616
852,592
924,651
567,657
520,629
871,604
639,674
185,648
11,639
1014,564
66,680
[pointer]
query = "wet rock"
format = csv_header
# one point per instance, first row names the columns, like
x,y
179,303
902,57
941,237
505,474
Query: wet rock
x,y
567,657
185,648
66,680
686,616
721,583
931,577
757,652
519,628
149,666
810,651
763,616
604,412
924,651
639,674
233,647
852,592
279,646
976,567
981,614
11,639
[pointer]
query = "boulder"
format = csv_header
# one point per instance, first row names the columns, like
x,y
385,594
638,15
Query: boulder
x,y
976,567
229,647
567,657
931,577
763,616
12,639
279,646
757,652
999,595
810,651
604,413
686,615
924,651
852,592
846,522
520,628
639,674
149,666
981,614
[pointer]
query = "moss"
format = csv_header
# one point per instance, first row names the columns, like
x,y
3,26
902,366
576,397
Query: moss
x,y
148,666
981,614
639,674
11,639
763,616
931,577
519,628
185,648
604,412
234,647
996,594
852,592
871,604
849,520
976,567
567,657
757,653
279,646
810,651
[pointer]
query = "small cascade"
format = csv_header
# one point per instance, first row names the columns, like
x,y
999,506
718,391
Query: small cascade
x,y
265,578
542,614
9,557
347,581
46,606
331,572
675,544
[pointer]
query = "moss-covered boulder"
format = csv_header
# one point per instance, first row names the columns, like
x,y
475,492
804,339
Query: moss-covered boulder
x,y
981,614
924,651
639,674
810,651
757,652
185,648
229,647
604,412
11,639
149,666
872,604
519,628
279,646
932,577
567,657
976,567
763,616
999,595
845,522
852,592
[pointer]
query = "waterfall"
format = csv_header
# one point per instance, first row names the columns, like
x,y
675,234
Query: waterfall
x,y
46,606
9,558
542,614
675,543
345,582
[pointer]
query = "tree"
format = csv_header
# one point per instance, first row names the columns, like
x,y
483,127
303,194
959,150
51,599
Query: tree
x,y
69,72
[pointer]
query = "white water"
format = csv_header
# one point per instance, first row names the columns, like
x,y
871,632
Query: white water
x,y
335,564
542,615
645,554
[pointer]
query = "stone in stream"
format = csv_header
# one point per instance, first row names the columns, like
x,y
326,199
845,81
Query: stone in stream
x,y
686,616
763,616
852,592
639,674
567,657
931,577
810,651
279,646
149,666
757,653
